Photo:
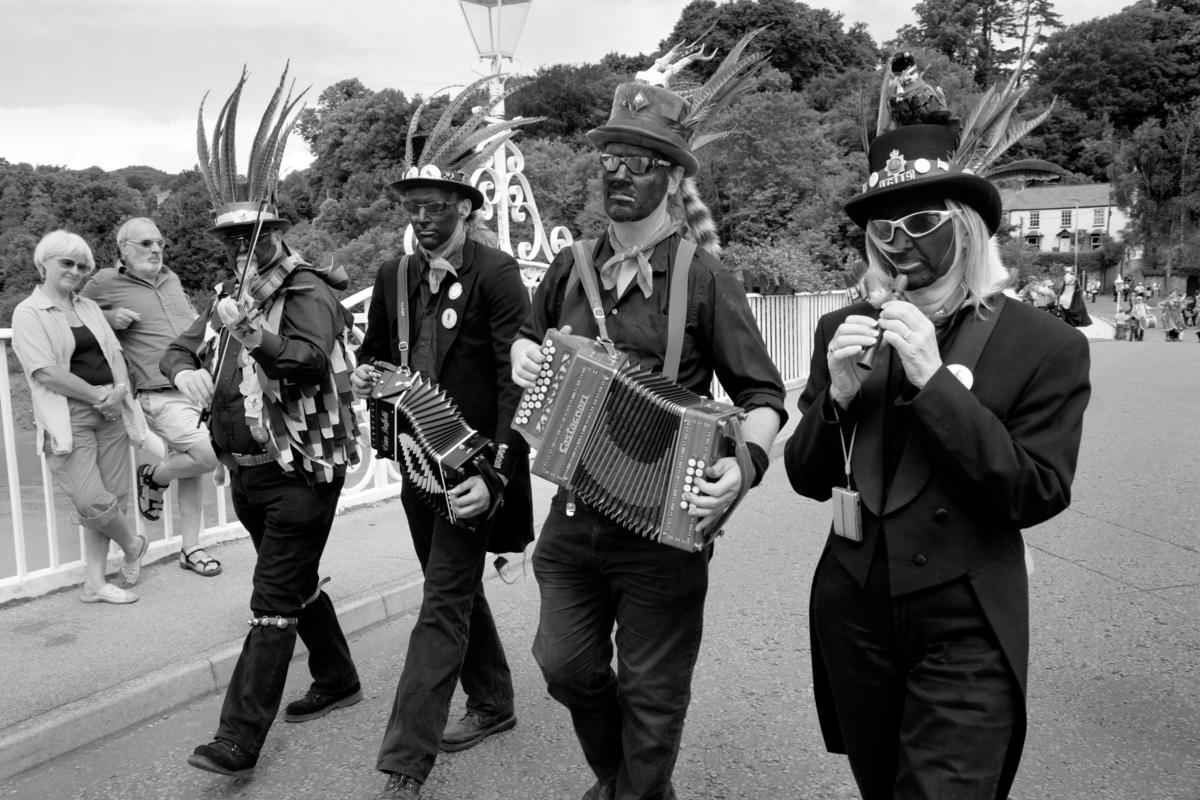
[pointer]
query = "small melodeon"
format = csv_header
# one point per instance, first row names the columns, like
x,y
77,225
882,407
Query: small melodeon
x,y
416,424
628,441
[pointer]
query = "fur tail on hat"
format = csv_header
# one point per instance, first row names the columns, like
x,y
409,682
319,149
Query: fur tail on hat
x,y
690,210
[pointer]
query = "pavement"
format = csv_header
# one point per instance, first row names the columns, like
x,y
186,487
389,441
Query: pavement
x,y
75,673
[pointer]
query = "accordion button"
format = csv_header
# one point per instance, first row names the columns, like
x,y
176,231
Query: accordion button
x,y
683,504
691,462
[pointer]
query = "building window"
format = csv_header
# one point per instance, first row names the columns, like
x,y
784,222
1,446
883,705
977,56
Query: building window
x,y
1066,219
1035,217
1098,218
1033,240
1096,240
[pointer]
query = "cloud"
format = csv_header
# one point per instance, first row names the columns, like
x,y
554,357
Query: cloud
x,y
110,137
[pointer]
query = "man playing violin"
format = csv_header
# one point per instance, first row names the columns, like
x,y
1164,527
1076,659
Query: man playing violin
x,y
280,418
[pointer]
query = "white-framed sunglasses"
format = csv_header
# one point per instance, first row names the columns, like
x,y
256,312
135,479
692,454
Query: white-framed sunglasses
x,y
916,225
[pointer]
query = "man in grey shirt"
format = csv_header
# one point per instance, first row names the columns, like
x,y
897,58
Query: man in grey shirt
x,y
145,304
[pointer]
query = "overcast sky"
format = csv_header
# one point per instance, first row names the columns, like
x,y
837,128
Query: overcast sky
x,y
113,83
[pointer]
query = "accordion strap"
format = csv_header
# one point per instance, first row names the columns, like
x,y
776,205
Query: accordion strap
x,y
677,304
677,309
402,311
586,272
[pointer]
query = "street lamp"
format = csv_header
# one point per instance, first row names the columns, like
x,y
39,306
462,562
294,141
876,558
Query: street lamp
x,y
495,26
1075,236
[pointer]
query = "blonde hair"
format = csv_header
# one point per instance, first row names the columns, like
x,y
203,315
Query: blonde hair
x,y
977,257
61,243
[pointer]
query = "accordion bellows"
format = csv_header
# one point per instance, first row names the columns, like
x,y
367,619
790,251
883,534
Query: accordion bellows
x,y
628,441
417,425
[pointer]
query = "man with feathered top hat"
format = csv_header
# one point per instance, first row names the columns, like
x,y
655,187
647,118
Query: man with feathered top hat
x,y
281,422
592,572
941,418
450,311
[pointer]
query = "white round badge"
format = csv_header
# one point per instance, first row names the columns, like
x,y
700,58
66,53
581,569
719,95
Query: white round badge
x,y
449,318
962,373
456,291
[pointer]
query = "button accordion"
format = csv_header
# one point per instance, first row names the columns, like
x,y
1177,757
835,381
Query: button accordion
x,y
417,425
627,441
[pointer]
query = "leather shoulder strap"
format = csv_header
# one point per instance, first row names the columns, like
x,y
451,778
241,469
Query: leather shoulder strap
x,y
586,273
677,308
402,311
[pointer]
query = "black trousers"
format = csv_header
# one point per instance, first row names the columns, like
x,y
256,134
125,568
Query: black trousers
x,y
289,523
925,700
454,639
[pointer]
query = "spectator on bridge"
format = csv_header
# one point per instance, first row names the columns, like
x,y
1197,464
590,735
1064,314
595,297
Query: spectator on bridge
x,y
594,572
282,423
85,415
144,303
1071,308
965,430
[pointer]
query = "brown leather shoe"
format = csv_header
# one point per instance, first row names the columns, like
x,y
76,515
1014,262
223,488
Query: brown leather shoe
x,y
473,727
224,758
400,787
603,789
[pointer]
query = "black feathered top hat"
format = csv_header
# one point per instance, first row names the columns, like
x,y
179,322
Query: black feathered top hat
x,y
920,149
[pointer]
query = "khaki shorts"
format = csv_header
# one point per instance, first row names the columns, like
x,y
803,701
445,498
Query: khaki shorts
x,y
175,418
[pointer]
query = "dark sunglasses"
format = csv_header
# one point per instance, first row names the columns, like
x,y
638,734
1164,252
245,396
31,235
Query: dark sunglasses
x,y
70,263
432,208
146,244
921,223
637,165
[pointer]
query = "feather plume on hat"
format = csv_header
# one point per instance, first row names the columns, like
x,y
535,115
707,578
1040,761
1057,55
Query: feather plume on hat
x,y
920,146
738,74
452,153
237,202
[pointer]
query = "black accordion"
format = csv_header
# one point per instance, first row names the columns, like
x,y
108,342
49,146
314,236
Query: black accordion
x,y
417,425
628,441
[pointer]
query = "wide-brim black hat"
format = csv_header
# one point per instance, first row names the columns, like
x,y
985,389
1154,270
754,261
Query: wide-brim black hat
x,y
915,160
430,177
648,116
238,219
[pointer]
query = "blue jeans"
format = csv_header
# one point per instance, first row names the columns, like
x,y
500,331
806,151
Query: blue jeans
x,y
289,523
454,638
592,573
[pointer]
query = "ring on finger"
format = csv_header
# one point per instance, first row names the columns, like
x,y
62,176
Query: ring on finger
x,y
907,334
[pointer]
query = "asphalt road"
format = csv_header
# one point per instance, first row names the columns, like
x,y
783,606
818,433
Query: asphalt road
x,y
1115,672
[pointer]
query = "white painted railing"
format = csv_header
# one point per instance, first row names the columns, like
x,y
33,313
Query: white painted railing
x,y
42,551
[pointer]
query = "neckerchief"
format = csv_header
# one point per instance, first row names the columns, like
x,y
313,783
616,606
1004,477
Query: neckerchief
x,y
638,253
446,259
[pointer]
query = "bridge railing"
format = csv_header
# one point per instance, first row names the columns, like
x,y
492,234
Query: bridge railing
x,y
43,549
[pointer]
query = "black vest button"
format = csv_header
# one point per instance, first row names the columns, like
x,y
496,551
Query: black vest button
x,y
941,514
920,560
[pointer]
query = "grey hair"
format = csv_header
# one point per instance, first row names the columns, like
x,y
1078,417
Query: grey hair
x,y
129,223
61,243
977,257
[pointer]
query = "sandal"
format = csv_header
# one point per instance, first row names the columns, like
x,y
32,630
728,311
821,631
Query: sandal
x,y
199,562
150,493
131,571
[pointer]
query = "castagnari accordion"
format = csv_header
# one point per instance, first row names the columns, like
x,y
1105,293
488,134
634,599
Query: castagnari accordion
x,y
629,442
417,425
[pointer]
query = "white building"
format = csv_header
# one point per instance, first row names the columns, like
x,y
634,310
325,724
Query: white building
x,y
1046,216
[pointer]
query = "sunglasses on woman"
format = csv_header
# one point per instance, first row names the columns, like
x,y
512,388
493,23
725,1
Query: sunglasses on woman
x,y
70,263
916,225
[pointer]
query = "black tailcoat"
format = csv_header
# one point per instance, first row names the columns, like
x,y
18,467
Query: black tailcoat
x,y
980,464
